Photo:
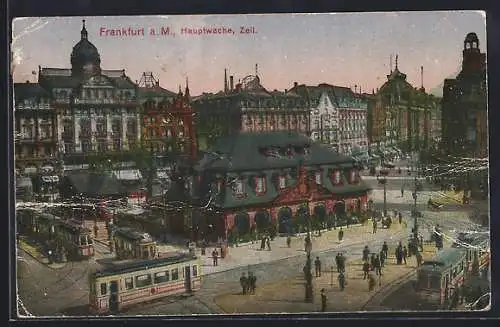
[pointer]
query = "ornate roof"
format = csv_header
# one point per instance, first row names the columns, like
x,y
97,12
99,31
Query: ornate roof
x,y
84,52
51,78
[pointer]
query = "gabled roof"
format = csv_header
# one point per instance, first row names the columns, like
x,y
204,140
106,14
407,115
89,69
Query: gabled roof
x,y
28,90
62,78
242,152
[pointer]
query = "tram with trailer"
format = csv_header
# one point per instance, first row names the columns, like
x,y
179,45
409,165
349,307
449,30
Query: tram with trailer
x,y
451,268
54,231
115,288
131,244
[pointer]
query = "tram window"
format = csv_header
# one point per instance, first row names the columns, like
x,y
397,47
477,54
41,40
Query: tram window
x,y
175,274
104,288
143,280
129,283
434,282
162,277
89,240
195,270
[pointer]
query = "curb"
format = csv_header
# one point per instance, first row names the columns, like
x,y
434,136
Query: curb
x,y
40,261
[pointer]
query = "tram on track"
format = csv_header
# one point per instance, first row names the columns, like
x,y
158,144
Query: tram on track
x,y
55,231
131,244
115,288
451,268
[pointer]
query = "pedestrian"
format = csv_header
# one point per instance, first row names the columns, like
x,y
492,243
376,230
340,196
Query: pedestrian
x,y
371,282
405,254
252,283
96,230
399,254
215,257
341,234
288,241
402,191
317,266
337,261
421,243
323,300
342,262
385,249
400,216
382,258
372,262
461,293
419,259
366,269
268,241
366,253
377,264
374,226
341,280
244,283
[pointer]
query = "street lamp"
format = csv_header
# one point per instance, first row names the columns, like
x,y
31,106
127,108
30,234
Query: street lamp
x,y
307,268
383,180
415,213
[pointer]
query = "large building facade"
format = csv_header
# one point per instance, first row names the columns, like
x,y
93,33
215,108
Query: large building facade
x,y
275,179
338,116
248,107
464,116
402,115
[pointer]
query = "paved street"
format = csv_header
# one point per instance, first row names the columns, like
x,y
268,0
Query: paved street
x,y
64,291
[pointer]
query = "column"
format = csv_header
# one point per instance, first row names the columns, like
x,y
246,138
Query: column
x,y
93,129
59,128
109,130
77,134
139,127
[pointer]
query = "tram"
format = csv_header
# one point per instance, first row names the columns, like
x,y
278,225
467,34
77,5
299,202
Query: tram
x,y
115,288
131,244
50,229
451,268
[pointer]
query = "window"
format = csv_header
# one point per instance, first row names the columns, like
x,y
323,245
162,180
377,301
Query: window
x,y
238,187
129,283
352,176
282,182
104,288
162,277
317,177
143,280
336,177
260,185
175,274
195,270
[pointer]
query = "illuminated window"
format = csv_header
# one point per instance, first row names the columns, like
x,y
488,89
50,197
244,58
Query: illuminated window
x,y
282,182
317,177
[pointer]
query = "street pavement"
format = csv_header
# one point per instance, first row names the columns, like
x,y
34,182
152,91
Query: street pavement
x,y
46,291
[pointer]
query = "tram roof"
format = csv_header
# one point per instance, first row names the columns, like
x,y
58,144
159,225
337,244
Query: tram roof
x,y
143,264
444,259
130,233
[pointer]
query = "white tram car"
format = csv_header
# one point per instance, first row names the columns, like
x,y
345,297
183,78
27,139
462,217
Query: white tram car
x,y
113,289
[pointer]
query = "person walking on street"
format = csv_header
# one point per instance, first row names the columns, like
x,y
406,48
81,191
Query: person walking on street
x,y
337,261
421,243
366,253
317,266
244,283
342,262
288,241
323,300
419,259
268,241
263,243
382,258
341,234
402,191
341,280
372,262
405,254
399,255
377,264
366,269
400,217
252,283
215,257
385,248
374,226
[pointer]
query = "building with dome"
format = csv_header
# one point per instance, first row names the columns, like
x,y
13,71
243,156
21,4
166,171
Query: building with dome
x,y
465,117
248,107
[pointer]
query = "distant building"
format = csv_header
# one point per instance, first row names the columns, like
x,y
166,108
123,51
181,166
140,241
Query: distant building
x,y
248,107
465,117
402,114
338,116
271,180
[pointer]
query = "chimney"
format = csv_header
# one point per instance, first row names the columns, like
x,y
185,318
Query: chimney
x,y
295,84
231,83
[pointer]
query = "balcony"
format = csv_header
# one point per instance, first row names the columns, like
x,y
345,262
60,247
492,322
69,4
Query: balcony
x,y
44,106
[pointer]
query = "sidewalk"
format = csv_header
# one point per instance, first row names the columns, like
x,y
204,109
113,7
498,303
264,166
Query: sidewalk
x,y
288,295
37,254
251,254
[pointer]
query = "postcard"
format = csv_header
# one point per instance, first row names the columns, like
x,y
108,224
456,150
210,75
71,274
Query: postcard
x,y
251,164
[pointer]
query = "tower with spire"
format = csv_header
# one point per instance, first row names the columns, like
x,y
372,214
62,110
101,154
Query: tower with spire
x,y
85,59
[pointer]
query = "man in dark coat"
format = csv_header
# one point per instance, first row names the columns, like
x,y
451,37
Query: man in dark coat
x,y
341,234
378,267
341,280
215,257
366,253
366,269
382,258
244,283
374,226
372,262
385,248
405,254
323,300
400,217
337,261
252,283
342,262
317,266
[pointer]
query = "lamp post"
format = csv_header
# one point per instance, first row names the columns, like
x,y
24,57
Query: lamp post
x,y
308,273
383,180
415,214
